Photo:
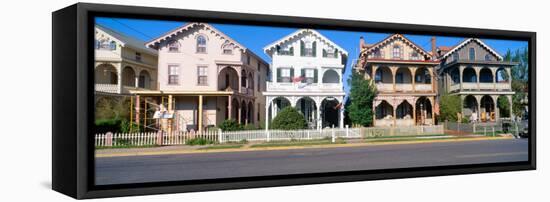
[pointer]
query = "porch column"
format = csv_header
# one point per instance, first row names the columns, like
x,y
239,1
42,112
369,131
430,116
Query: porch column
x,y
137,110
373,72
460,71
169,121
414,112
136,81
477,75
267,105
393,71
413,72
342,117
119,78
239,113
199,124
432,100
373,113
394,115
497,111
229,111
319,119
511,104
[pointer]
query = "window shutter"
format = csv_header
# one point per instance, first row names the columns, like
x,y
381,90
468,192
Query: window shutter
x,y
302,48
314,47
303,73
324,53
314,75
291,74
278,75
292,51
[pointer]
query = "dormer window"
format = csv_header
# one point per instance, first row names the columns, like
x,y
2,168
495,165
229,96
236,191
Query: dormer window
x,y
396,52
227,49
201,44
112,45
105,44
173,46
138,56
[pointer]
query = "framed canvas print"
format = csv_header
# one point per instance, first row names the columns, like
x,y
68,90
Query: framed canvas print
x,y
157,100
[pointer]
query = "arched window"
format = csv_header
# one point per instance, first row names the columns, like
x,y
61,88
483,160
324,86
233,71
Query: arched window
x,y
201,44
308,48
396,52
472,54
227,48
173,46
112,45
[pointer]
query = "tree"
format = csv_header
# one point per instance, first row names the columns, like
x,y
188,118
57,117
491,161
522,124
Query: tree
x,y
361,96
520,77
449,107
289,119
503,106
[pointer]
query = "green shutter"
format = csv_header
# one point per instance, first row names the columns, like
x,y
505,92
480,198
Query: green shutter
x,y
314,46
324,53
303,73
315,76
291,51
291,74
302,48
336,52
278,75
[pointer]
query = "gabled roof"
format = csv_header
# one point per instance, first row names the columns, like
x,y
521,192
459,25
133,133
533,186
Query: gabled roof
x,y
400,36
466,41
125,40
175,32
297,33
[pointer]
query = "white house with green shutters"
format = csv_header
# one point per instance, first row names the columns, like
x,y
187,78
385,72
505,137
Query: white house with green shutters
x,y
306,73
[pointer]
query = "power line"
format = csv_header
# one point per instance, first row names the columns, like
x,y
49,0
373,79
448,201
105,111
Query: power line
x,y
129,27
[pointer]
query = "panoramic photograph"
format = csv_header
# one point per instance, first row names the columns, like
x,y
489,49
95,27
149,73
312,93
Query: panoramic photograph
x,y
200,100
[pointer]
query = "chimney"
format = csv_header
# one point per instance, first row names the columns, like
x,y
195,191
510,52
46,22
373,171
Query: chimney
x,y
361,42
433,48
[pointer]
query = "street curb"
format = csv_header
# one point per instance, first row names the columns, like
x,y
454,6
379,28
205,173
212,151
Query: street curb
x,y
151,153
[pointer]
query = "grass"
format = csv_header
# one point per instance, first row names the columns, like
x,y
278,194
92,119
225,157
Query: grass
x,y
126,146
297,143
222,146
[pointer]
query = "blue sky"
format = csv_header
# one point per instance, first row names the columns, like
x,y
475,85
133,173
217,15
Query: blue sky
x,y
256,37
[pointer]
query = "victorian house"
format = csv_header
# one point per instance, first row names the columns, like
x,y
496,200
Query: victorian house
x,y
404,76
306,74
478,74
206,77
122,64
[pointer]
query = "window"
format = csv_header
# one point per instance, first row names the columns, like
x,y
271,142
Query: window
x,y
472,54
309,75
330,52
202,75
285,75
415,56
112,45
173,74
377,53
456,57
173,46
308,48
259,83
396,52
138,56
201,44
289,50
227,49
378,77
258,65
487,57
248,59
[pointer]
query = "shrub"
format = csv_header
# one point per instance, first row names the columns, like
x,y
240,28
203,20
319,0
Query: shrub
x,y
199,141
127,127
230,125
289,119
450,106
107,125
465,120
250,127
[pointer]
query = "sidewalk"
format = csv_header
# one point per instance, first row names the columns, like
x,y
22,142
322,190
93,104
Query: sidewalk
x,y
186,149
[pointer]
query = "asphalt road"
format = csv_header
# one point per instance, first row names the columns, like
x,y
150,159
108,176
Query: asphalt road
x,y
137,169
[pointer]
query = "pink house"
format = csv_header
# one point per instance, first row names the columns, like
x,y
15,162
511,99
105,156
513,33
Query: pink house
x,y
206,77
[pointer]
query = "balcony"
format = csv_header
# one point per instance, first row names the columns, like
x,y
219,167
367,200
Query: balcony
x,y
470,86
271,86
388,87
403,87
106,88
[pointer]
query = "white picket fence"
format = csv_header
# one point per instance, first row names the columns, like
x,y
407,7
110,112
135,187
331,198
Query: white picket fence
x,y
151,138
218,136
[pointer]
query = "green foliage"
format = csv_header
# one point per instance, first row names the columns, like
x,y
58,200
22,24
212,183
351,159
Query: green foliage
x,y
503,106
361,96
449,106
250,127
520,77
199,141
230,125
127,127
107,125
112,108
465,120
289,119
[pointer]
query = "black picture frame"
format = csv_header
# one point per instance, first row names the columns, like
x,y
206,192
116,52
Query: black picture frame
x,y
72,95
